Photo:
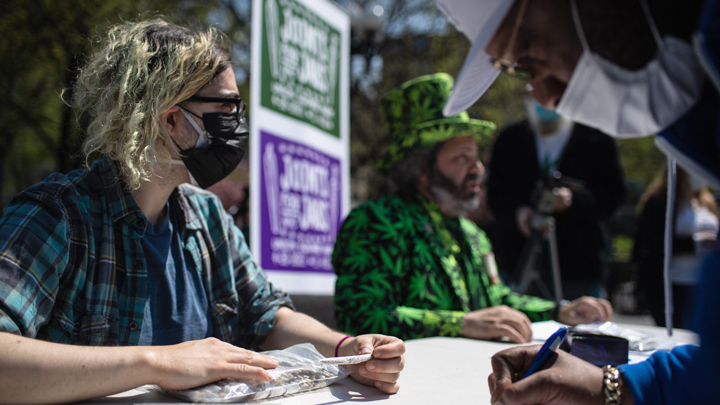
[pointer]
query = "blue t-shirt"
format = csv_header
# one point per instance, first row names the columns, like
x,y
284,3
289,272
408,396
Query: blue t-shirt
x,y
176,309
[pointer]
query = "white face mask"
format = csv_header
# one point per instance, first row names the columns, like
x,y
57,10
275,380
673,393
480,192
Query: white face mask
x,y
627,103
203,139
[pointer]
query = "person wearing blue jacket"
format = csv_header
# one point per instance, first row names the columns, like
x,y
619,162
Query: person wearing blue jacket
x,y
629,68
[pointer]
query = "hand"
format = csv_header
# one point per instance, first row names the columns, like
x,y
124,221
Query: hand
x,y
384,369
523,216
191,364
497,322
563,198
569,380
585,310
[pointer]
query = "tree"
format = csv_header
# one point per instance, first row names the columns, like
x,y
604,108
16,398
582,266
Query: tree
x,y
44,44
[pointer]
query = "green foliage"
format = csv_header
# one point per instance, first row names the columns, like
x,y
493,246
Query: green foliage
x,y
45,43
641,160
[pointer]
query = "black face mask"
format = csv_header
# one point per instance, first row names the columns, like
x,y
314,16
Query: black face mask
x,y
227,139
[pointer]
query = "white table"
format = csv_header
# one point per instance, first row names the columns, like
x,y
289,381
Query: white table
x,y
437,371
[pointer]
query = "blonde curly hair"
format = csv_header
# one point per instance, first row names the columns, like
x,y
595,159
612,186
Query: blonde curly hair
x,y
142,69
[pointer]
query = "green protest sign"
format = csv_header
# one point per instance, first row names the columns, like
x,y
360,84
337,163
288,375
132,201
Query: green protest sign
x,y
300,65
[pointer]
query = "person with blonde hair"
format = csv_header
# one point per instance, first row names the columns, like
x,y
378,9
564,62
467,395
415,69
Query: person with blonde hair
x,y
125,254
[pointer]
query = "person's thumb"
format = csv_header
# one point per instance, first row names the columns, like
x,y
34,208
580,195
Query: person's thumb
x,y
363,345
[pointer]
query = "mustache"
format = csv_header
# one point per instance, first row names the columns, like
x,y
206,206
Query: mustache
x,y
473,177
440,180
452,196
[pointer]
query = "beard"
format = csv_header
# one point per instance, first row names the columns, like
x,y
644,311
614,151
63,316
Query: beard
x,y
450,197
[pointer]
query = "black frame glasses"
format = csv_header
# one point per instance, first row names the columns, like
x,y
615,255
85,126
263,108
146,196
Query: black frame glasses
x,y
237,101
505,63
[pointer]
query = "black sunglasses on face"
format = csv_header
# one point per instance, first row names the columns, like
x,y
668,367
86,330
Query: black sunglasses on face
x,y
236,101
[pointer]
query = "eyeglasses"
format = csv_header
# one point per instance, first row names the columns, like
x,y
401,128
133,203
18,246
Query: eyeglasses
x,y
236,101
505,63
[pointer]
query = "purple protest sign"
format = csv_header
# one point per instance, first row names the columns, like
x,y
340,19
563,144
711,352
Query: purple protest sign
x,y
300,205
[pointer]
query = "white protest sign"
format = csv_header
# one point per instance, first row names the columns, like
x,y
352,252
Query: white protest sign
x,y
299,140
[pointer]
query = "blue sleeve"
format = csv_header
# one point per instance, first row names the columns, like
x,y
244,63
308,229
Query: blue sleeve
x,y
688,374
651,381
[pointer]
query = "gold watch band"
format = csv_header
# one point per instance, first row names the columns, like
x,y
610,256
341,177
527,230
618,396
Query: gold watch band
x,y
611,385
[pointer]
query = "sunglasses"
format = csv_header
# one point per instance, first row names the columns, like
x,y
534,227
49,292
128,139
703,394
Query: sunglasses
x,y
235,101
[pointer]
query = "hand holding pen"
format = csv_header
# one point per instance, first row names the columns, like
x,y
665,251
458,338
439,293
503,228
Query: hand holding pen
x,y
539,375
548,349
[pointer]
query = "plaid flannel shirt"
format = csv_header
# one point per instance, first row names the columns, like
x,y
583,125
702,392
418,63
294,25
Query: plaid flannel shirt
x,y
72,268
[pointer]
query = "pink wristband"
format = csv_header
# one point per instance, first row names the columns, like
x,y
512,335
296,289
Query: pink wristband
x,y
339,343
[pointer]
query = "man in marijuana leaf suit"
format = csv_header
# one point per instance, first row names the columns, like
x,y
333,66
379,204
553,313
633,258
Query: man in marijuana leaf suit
x,y
409,264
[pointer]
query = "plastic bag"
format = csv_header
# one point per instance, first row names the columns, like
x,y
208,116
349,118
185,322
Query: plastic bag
x,y
639,341
299,371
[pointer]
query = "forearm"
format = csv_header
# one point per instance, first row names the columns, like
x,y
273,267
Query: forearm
x,y
293,328
34,371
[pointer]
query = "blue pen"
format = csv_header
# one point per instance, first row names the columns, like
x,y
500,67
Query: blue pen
x,y
546,350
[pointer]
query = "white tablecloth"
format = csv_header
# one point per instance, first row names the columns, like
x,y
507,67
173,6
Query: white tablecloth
x,y
437,371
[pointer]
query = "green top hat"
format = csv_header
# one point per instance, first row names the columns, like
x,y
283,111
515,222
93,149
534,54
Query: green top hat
x,y
414,114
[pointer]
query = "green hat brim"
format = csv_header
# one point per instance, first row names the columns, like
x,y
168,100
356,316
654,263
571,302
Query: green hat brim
x,y
429,133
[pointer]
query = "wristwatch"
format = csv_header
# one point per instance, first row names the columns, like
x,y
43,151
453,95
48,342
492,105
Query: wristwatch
x,y
611,385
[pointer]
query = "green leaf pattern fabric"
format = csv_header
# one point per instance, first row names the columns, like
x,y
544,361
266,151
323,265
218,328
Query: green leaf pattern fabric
x,y
405,269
